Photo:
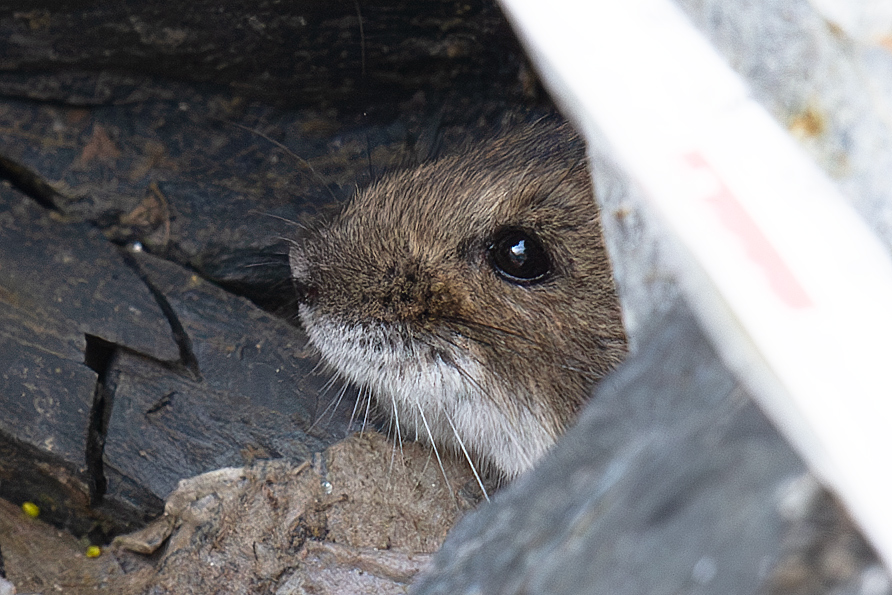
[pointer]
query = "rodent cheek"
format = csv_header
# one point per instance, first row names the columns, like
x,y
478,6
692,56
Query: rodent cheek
x,y
452,296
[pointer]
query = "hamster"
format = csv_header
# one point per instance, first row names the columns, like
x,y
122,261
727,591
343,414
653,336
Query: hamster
x,y
472,295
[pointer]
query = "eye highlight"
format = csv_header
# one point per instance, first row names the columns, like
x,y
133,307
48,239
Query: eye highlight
x,y
519,256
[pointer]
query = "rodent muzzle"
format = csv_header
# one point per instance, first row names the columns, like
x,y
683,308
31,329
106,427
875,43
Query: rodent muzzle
x,y
472,295
397,292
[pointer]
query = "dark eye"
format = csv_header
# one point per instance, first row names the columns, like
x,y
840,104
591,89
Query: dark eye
x,y
519,256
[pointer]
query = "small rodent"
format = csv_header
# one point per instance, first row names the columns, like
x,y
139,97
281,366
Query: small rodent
x,y
472,295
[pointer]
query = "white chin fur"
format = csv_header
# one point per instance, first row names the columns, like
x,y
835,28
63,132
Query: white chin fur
x,y
424,394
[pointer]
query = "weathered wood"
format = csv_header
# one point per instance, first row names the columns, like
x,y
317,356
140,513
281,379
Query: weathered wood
x,y
46,401
64,281
63,288
257,397
298,52
144,131
168,173
173,176
88,356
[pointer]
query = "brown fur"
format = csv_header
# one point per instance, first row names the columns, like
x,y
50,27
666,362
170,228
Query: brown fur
x,y
409,254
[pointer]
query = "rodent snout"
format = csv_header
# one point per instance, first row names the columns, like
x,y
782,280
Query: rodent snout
x,y
300,275
472,295
351,285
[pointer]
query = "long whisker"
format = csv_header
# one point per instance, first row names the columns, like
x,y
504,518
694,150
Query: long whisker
x,y
328,384
361,38
368,406
487,327
333,405
511,435
464,450
261,264
319,365
470,379
434,446
294,155
291,222
291,241
395,423
356,406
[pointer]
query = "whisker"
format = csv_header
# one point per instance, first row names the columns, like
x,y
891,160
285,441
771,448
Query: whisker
x,y
494,331
291,222
464,450
355,406
341,393
396,421
508,431
434,447
392,450
294,155
333,405
487,327
328,384
261,264
361,39
368,406
319,365
290,241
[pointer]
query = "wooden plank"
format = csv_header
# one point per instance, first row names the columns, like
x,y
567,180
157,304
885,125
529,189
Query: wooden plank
x,y
46,402
673,480
64,281
63,289
297,52
256,397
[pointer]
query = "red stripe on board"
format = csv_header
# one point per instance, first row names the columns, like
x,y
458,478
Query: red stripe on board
x,y
735,218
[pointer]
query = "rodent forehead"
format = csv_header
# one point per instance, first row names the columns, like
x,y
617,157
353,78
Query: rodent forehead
x,y
428,207
427,231
377,249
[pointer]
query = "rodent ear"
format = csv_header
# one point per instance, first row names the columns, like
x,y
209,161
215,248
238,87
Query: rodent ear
x,y
300,265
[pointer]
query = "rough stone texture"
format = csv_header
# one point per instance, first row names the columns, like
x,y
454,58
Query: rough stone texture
x,y
672,481
670,469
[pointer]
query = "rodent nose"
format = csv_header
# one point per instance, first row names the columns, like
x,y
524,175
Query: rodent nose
x,y
300,264
300,275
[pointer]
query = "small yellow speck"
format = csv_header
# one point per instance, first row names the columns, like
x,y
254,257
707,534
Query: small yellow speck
x,y
31,509
809,123
94,551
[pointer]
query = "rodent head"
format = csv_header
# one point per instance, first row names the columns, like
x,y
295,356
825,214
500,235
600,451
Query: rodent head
x,y
473,295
